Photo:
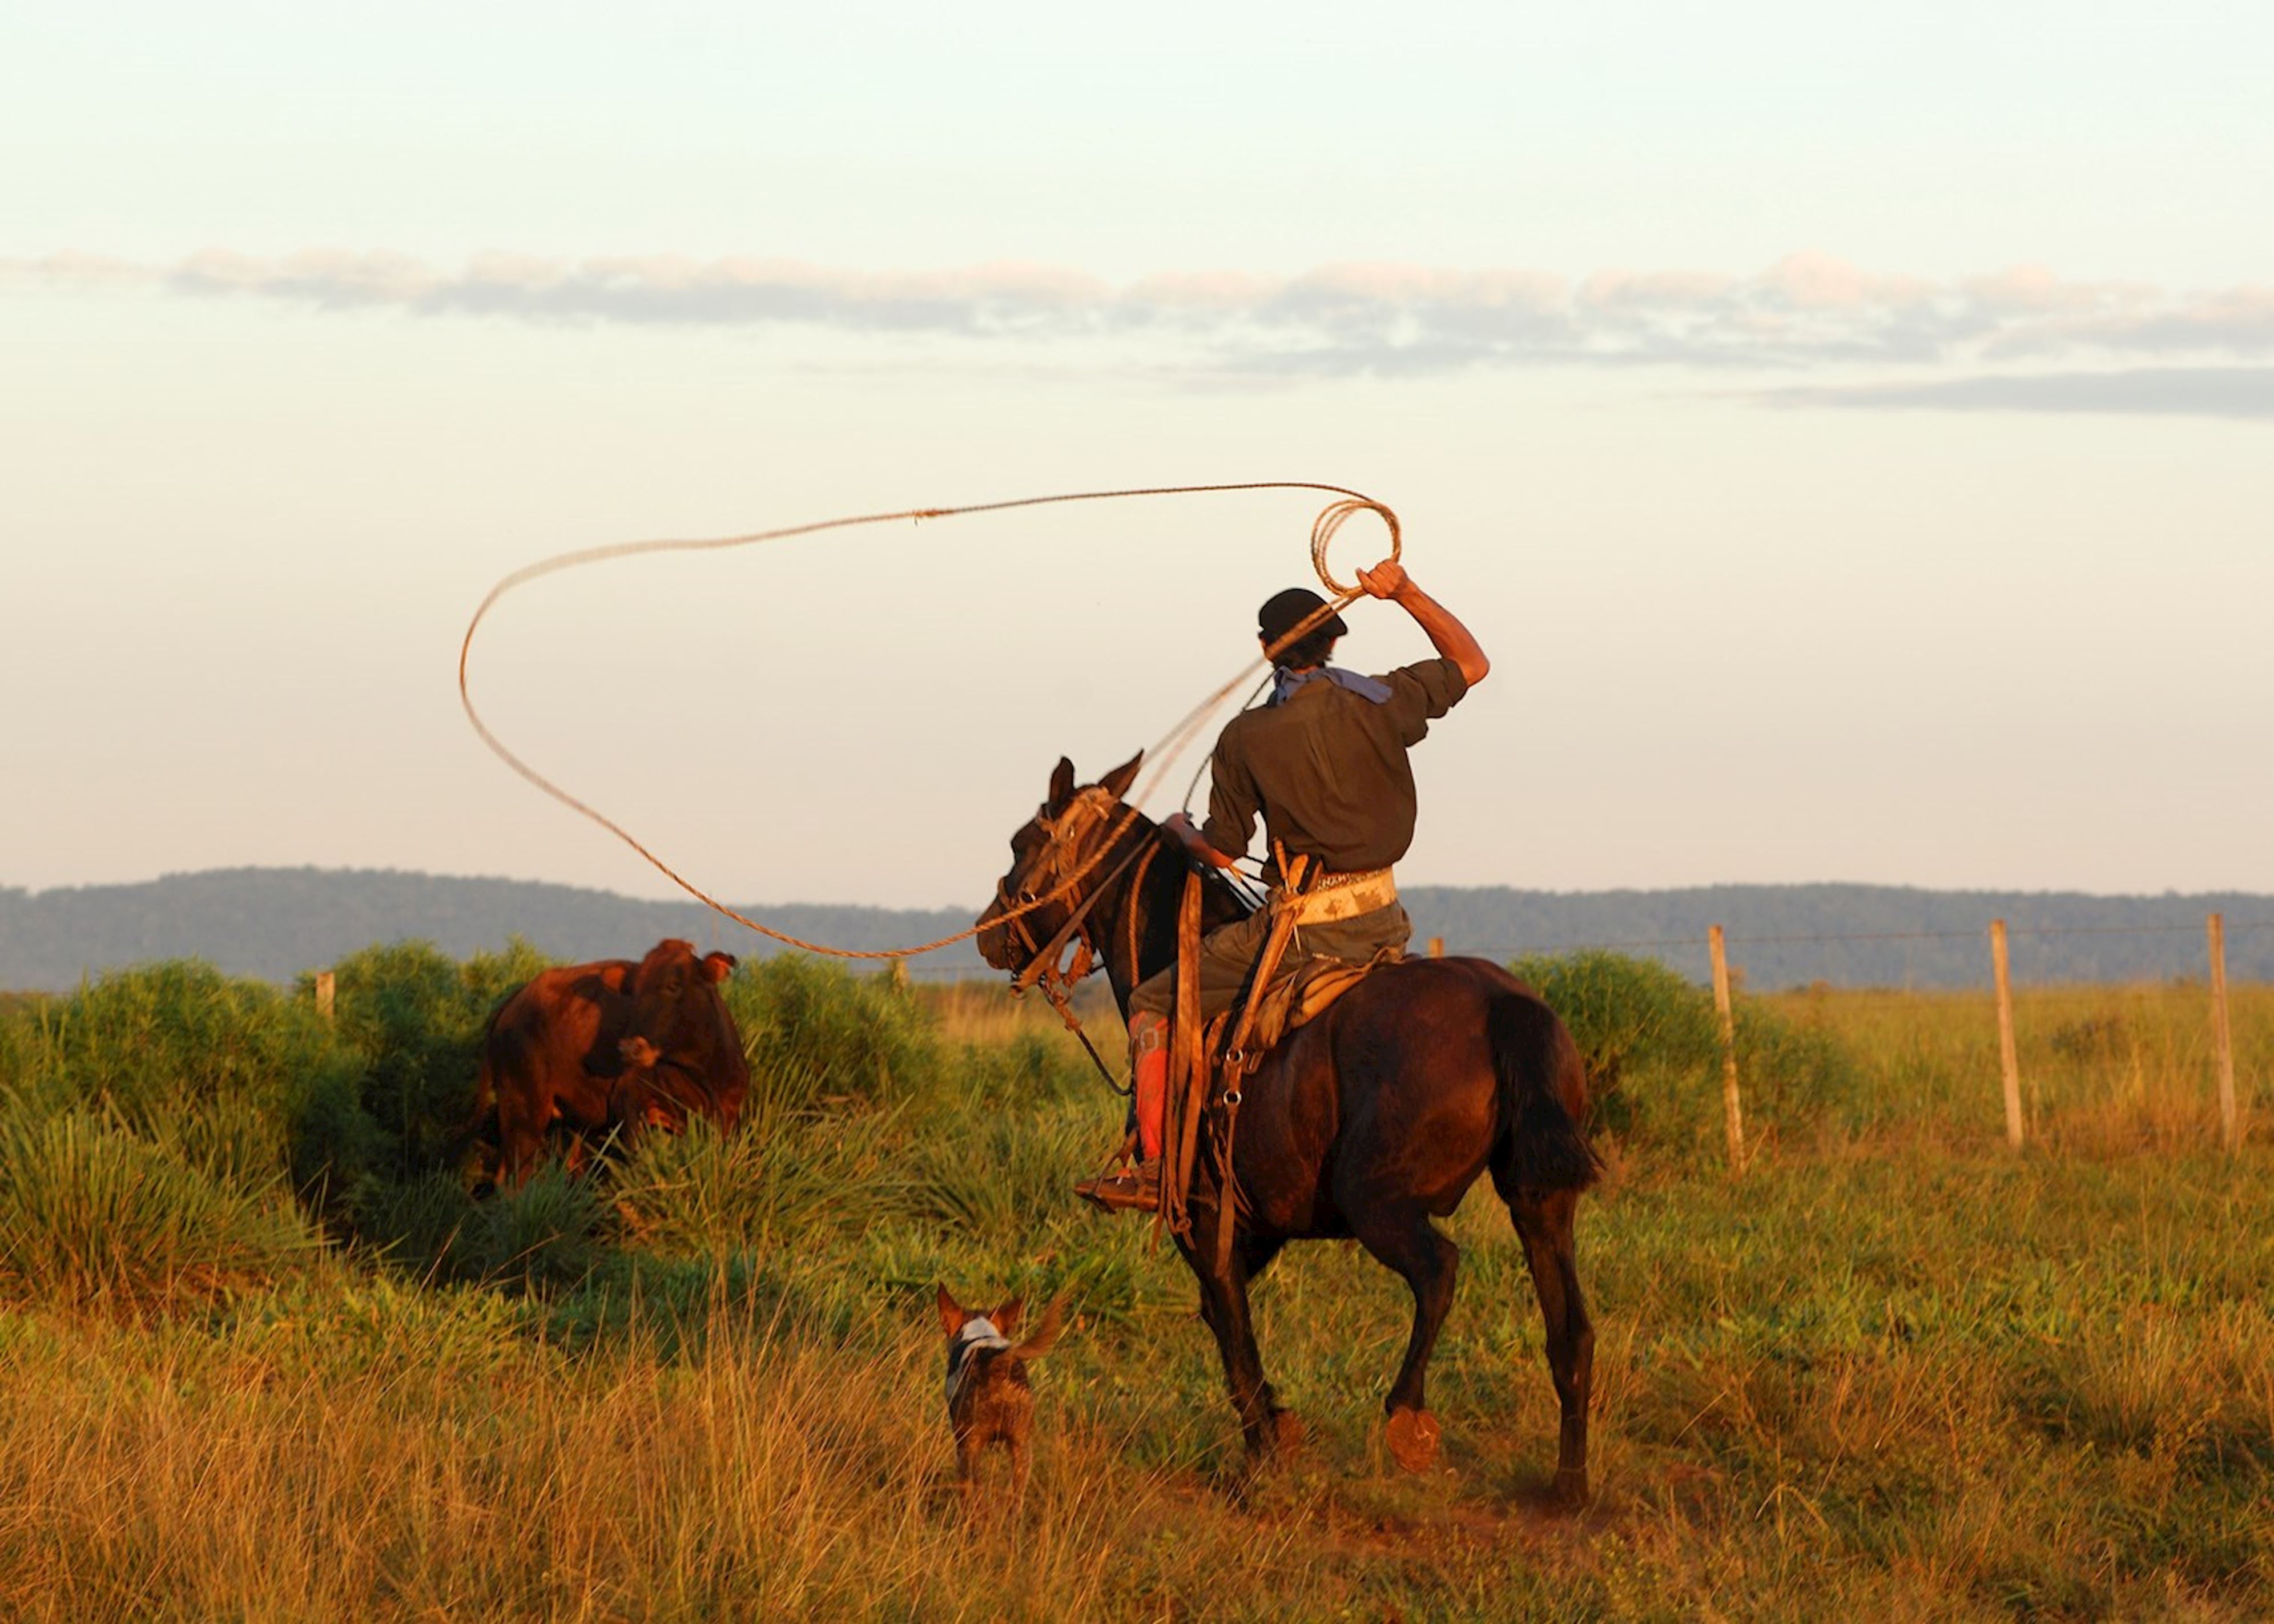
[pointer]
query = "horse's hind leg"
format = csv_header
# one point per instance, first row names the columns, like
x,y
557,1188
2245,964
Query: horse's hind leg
x,y
1544,1224
1404,1239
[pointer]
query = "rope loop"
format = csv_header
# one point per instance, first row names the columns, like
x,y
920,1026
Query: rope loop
x,y
1331,519
1322,532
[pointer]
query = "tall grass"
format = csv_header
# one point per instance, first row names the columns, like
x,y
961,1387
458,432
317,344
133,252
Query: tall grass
x,y
1892,1386
2104,1070
227,1073
1892,1370
92,1215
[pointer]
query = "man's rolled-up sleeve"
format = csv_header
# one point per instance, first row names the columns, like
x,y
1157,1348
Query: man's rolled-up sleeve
x,y
1420,693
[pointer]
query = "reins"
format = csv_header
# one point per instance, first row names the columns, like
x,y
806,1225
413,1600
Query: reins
x,y
1044,971
1323,533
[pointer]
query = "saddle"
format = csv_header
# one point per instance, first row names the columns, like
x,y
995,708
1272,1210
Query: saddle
x,y
1289,1002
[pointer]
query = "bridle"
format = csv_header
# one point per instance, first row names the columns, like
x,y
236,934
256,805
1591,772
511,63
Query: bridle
x,y
1048,969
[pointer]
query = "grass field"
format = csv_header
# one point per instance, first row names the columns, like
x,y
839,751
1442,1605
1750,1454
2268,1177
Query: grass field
x,y
260,1358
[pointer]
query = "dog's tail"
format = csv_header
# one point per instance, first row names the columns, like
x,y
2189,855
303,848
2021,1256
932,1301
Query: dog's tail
x,y
1046,1330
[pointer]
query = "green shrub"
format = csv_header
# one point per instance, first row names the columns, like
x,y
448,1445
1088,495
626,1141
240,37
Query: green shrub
x,y
421,1226
546,1237
1652,1041
91,1212
416,1018
794,1165
543,1236
990,1174
1030,1068
1793,1074
1647,1033
226,1072
802,1020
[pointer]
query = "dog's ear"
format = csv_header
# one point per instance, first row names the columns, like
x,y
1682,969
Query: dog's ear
x,y
952,1315
1007,1317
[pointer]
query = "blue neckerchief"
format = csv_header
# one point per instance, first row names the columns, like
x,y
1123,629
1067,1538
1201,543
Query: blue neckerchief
x,y
1284,682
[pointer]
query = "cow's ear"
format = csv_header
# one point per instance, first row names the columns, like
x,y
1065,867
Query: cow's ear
x,y
950,1311
718,966
1061,787
1007,1317
1116,782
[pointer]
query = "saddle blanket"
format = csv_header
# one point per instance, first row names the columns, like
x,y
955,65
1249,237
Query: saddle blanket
x,y
1292,1000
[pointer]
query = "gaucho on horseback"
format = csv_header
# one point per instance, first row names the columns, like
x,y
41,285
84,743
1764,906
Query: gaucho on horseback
x,y
1372,1118
1323,762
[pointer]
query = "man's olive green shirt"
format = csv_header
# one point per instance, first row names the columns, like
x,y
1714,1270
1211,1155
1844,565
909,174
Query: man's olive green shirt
x,y
1327,769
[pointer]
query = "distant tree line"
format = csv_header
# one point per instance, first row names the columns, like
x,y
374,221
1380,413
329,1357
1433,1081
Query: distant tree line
x,y
276,923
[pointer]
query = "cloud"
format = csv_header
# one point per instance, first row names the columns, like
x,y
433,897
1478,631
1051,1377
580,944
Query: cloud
x,y
2245,392
1809,311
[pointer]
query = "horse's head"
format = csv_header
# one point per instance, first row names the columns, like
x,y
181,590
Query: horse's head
x,y
1052,852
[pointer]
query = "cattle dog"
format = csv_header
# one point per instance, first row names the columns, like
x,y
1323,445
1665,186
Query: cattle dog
x,y
988,1398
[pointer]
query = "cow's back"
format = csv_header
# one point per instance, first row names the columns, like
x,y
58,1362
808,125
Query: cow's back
x,y
562,1019
549,1050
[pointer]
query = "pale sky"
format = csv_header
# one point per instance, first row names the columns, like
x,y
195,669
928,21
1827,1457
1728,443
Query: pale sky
x,y
1851,437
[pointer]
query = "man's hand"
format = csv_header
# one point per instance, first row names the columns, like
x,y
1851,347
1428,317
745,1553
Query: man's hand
x,y
1180,824
1386,579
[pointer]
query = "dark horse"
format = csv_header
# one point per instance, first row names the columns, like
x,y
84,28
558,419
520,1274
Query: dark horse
x,y
1365,1122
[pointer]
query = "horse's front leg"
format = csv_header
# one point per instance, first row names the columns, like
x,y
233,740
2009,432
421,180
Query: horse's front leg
x,y
1263,1424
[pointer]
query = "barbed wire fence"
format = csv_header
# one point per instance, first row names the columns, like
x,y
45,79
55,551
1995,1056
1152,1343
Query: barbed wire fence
x,y
1726,976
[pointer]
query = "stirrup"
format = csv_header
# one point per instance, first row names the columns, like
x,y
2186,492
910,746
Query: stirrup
x,y
1127,1189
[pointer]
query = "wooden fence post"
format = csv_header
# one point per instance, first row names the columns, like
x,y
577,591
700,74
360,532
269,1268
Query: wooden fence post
x,y
1732,1113
2222,1036
900,975
2009,1062
325,988
1436,947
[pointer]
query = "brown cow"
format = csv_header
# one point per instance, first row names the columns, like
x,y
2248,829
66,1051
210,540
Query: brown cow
x,y
613,1046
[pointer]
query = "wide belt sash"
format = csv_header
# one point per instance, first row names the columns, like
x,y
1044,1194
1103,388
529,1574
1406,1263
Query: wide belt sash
x,y
1334,897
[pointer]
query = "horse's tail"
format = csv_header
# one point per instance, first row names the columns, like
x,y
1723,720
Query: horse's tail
x,y
1541,1148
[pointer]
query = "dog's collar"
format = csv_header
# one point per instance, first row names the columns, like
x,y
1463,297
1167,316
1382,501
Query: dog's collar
x,y
976,1333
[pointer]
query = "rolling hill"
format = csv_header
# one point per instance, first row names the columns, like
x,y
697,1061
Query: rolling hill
x,y
276,923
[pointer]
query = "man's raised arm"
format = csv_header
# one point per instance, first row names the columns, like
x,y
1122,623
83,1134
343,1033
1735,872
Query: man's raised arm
x,y
1450,638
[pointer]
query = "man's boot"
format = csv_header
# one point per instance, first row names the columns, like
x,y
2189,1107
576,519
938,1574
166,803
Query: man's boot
x,y
1139,1187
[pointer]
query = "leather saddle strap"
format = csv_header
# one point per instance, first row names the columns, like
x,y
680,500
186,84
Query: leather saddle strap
x,y
1284,911
1188,1069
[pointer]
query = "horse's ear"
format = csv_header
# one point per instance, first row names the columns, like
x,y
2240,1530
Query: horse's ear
x,y
950,1311
1116,782
1007,1317
1061,787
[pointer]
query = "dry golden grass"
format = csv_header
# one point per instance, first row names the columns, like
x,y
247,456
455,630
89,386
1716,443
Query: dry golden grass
x,y
2104,1070
1892,1372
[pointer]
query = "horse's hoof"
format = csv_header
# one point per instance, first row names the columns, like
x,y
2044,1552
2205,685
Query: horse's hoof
x,y
1286,1434
1413,1438
1278,1438
1571,1488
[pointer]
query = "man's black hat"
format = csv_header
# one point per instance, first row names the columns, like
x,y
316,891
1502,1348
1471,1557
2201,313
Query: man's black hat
x,y
1284,612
